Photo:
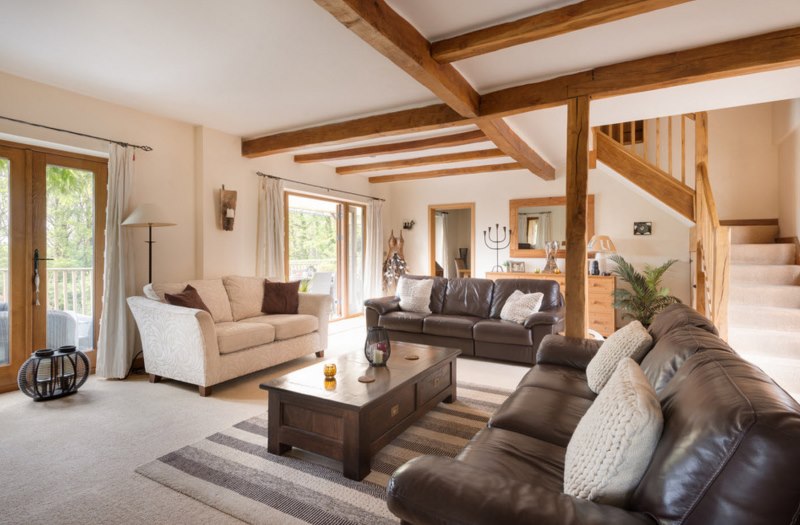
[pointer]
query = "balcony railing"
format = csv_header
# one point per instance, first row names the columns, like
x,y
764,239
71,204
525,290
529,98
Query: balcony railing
x,y
70,289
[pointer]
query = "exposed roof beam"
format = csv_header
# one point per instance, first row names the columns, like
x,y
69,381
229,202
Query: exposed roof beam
x,y
399,41
442,141
508,141
438,116
487,168
770,51
543,25
446,158
390,34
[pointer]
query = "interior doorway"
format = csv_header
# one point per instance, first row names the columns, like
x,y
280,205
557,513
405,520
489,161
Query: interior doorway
x,y
451,240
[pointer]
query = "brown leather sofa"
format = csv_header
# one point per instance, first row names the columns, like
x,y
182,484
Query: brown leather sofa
x,y
465,314
729,452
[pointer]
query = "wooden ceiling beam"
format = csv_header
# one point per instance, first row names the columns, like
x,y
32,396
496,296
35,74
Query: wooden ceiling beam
x,y
399,41
516,148
432,174
438,116
446,158
442,141
766,52
543,25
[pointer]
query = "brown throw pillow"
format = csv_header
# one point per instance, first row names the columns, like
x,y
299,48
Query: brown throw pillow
x,y
281,298
188,298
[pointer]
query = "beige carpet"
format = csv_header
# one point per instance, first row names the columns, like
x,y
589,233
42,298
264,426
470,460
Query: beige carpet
x,y
72,460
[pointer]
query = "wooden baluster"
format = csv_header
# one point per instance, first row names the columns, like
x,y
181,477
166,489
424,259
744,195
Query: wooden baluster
x,y
633,137
658,143
621,130
683,150
669,146
645,136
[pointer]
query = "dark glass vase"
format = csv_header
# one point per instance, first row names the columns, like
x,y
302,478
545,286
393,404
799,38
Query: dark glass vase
x,y
377,348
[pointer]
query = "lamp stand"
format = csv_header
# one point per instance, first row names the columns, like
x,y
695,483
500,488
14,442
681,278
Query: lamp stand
x,y
149,242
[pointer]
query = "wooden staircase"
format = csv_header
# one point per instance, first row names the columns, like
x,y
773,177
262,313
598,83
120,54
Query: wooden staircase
x,y
668,158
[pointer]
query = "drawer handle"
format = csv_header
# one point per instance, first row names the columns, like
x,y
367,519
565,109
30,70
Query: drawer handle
x,y
394,410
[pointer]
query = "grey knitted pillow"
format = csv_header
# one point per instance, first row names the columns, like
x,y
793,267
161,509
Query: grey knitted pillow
x,y
415,295
632,341
613,443
520,305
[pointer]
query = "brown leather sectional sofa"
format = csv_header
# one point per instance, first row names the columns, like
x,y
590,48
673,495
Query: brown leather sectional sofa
x,y
466,315
729,452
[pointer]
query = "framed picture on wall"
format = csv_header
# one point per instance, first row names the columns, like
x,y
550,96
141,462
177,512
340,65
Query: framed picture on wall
x,y
643,228
517,266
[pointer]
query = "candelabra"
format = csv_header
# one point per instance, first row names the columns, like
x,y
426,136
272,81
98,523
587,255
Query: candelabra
x,y
497,242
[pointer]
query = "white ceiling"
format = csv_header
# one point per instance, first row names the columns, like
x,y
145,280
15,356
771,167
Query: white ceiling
x,y
252,67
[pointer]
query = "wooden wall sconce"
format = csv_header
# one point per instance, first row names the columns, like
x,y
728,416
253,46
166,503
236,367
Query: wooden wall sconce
x,y
227,200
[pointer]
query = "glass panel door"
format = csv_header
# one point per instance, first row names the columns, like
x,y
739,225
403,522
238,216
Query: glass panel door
x,y
5,261
355,258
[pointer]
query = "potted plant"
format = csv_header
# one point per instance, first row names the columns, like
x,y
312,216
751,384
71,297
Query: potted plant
x,y
646,297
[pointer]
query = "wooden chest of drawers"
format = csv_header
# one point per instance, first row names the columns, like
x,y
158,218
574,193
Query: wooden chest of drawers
x,y
601,296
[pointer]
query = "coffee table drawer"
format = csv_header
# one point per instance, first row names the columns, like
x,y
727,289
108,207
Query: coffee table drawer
x,y
433,384
396,407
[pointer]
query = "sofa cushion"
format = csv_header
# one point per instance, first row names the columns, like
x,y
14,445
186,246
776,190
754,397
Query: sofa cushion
x,y
211,291
632,340
503,288
521,305
246,295
613,443
728,452
281,298
468,297
287,326
673,349
565,379
402,321
511,455
437,291
415,295
188,298
449,325
678,315
541,413
502,332
232,337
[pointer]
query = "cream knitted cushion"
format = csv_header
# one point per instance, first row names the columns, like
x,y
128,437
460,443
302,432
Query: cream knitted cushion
x,y
632,341
615,440
520,305
415,295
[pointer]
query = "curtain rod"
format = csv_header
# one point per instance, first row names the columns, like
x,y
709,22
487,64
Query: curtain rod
x,y
125,144
260,174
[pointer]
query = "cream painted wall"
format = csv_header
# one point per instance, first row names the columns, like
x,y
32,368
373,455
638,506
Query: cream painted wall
x,y
743,162
786,136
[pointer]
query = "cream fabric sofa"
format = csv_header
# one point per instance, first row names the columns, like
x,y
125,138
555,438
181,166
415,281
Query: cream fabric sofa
x,y
235,339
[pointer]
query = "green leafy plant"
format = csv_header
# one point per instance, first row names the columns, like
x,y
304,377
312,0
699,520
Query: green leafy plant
x,y
646,297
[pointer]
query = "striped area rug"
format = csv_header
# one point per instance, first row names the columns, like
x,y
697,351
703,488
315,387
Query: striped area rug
x,y
233,472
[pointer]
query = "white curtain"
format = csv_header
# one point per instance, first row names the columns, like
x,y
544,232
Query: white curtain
x,y
373,258
115,345
269,247
545,230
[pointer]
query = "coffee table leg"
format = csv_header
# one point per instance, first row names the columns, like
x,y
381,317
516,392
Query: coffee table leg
x,y
274,446
452,398
355,458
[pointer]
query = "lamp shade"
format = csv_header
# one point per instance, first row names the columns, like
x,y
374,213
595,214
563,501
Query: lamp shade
x,y
147,214
602,244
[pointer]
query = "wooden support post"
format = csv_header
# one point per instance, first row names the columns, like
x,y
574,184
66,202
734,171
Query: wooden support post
x,y
701,139
576,280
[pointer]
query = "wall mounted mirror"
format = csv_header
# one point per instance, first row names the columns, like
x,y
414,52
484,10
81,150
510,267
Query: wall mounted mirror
x,y
542,219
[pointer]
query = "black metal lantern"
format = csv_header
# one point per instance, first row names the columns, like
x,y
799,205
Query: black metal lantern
x,y
48,374
377,348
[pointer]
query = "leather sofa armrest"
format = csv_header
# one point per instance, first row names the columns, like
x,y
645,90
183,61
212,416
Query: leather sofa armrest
x,y
554,316
383,305
438,490
567,351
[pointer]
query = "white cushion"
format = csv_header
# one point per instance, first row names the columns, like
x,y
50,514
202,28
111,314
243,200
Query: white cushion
x,y
415,295
288,326
520,305
632,341
614,441
246,296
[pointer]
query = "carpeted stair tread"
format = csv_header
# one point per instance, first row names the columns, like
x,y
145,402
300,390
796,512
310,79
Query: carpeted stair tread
x,y
769,343
783,253
765,273
766,317
756,294
761,234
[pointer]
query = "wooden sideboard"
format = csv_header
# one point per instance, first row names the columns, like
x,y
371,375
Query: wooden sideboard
x,y
601,296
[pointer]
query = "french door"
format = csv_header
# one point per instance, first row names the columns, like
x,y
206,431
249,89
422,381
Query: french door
x,y
324,249
52,232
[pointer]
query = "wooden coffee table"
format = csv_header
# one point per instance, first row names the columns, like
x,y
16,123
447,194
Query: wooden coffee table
x,y
352,421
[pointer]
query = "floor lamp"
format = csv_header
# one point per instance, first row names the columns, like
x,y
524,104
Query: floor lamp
x,y
150,216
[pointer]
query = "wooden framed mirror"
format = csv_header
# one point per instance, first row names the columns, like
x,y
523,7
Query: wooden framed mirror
x,y
536,220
